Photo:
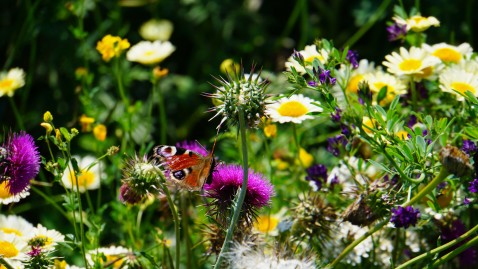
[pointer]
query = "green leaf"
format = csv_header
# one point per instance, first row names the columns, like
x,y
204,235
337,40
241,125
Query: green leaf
x,y
76,168
380,166
65,133
421,145
382,94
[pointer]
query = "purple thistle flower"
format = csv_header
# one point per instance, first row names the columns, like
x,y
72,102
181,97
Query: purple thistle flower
x,y
193,146
317,174
227,180
20,162
352,57
396,32
473,186
404,216
469,147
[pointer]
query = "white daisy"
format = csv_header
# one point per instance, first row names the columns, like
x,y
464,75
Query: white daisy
x,y
116,254
13,248
395,86
87,179
45,238
149,53
292,109
156,30
6,197
449,53
469,65
417,23
417,63
11,80
15,225
457,81
309,53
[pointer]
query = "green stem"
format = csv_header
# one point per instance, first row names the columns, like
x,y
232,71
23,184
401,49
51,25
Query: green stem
x,y
242,194
177,222
50,201
5,263
413,89
439,249
119,80
297,144
18,117
455,252
82,228
185,222
373,19
430,187
162,119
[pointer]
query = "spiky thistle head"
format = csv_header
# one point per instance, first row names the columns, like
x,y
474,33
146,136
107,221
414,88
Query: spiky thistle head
x,y
313,219
240,91
141,177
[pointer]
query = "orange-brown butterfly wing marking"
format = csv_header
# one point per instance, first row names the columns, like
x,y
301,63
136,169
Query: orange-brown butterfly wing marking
x,y
187,168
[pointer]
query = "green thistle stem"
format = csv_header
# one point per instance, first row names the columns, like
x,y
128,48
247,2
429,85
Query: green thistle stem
x,y
17,114
430,187
441,248
413,90
5,263
455,252
177,222
162,119
242,194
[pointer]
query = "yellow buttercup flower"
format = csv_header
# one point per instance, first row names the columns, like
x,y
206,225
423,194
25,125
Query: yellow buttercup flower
x,y
47,126
159,72
306,159
111,46
270,130
99,131
86,123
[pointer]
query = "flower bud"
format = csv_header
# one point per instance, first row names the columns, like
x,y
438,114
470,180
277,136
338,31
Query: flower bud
x,y
47,117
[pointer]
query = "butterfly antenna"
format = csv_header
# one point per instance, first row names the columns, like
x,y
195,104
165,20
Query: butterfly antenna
x,y
215,139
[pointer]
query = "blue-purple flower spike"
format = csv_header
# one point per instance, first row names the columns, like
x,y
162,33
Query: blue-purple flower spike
x,y
396,32
404,216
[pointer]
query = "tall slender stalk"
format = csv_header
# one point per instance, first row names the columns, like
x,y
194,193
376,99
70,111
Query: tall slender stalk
x,y
18,117
242,194
177,222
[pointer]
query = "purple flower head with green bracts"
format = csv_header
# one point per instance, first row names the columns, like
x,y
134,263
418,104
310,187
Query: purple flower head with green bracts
x,y
20,162
404,216
226,181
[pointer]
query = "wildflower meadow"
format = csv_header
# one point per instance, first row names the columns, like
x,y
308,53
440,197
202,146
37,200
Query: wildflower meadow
x,y
238,134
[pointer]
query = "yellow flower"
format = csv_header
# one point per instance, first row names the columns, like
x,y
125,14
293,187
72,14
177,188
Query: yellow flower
x,y
402,135
57,134
159,72
86,122
11,81
47,117
111,46
270,130
417,23
305,158
281,164
47,126
229,66
267,224
81,72
368,125
99,131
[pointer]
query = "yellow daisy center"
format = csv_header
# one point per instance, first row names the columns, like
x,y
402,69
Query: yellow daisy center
x,y
266,224
115,259
418,19
410,65
8,230
292,109
148,53
4,190
310,59
380,84
426,72
354,82
7,249
85,179
448,55
6,83
368,125
462,87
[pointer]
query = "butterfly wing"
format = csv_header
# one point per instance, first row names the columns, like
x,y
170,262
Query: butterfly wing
x,y
187,168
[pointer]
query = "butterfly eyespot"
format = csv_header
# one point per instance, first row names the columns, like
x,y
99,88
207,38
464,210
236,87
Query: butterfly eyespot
x,y
179,174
